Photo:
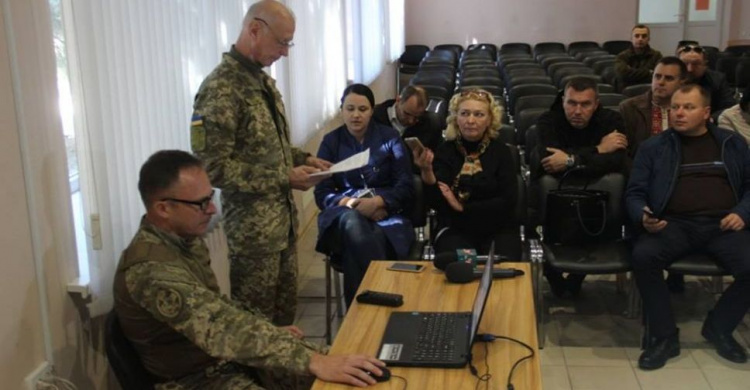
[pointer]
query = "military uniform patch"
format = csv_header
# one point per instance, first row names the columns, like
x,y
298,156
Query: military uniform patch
x,y
169,302
197,133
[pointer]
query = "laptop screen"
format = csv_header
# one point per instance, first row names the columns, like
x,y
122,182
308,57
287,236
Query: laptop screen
x,y
482,292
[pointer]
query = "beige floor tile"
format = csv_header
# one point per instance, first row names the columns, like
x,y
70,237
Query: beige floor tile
x,y
684,361
708,359
672,378
555,378
720,379
552,356
596,357
603,378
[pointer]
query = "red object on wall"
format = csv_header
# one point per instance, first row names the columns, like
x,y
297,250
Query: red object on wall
x,y
701,5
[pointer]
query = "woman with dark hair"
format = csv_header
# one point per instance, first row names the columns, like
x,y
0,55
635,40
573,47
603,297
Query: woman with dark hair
x,y
364,211
737,118
471,180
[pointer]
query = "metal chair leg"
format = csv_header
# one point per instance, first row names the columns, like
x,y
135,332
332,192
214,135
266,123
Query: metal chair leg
x,y
328,301
537,258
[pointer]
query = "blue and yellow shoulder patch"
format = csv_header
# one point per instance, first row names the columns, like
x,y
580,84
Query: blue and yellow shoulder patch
x,y
197,133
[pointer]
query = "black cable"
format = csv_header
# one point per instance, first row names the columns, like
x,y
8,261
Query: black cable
x,y
485,377
406,383
489,338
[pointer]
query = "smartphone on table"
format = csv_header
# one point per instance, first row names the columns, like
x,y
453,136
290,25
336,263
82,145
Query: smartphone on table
x,y
405,267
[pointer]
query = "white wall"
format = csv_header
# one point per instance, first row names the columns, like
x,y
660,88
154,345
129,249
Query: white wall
x,y
433,22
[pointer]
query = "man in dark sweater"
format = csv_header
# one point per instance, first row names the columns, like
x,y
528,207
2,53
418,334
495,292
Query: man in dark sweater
x,y
575,132
689,189
722,96
635,65
407,114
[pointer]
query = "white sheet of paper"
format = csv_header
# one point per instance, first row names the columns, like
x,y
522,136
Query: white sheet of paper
x,y
356,161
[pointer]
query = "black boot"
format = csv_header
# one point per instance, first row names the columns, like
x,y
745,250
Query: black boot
x,y
726,346
659,351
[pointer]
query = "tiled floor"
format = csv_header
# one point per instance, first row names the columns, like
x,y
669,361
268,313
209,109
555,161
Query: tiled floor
x,y
589,343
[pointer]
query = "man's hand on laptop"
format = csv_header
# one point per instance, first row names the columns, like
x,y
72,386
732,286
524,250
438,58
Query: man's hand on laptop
x,y
348,369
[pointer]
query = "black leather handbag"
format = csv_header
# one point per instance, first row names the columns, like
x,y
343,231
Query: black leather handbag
x,y
575,215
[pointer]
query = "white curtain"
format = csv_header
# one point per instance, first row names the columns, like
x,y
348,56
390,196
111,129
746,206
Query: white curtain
x,y
395,29
373,34
317,66
137,65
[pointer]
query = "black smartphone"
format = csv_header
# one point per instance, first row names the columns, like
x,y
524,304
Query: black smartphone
x,y
406,267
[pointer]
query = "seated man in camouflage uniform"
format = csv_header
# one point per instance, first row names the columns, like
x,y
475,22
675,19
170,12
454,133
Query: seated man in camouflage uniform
x,y
186,333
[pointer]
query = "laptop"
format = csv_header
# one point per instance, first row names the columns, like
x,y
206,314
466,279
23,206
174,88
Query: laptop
x,y
435,339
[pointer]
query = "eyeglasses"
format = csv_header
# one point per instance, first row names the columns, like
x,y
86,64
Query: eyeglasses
x,y
202,203
279,41
476,93
689,48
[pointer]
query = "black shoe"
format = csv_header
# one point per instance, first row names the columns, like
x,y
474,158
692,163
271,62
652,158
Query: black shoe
x,y
725,344
656,355
573,283
556,283
676,282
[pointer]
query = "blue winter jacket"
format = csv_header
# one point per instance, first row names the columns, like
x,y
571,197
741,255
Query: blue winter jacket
x,y
657,165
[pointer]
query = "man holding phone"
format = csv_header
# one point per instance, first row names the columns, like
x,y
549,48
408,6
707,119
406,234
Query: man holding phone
x,y
407,114
689,191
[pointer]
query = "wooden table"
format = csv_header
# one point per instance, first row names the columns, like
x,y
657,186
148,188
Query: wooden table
x,y
509,312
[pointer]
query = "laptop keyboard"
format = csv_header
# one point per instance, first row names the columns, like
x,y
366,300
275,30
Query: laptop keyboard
x,y
437,339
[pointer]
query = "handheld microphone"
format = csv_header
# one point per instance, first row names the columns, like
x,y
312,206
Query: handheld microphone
x,y
464,273
442,259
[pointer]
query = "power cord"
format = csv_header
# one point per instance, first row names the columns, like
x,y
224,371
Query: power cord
x,y
485,377
406,383
488,338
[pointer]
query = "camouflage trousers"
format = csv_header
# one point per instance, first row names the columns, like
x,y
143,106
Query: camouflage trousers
x,y
266,283
232,376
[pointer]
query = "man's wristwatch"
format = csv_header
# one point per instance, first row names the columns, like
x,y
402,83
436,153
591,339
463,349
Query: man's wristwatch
x,y
570,162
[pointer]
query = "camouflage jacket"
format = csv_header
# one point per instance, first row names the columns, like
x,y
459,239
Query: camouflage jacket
x,y
634,68
170,308
240,131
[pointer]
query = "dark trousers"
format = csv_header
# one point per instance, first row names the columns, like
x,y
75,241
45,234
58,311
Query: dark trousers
x,y
507,242
358,240
653,252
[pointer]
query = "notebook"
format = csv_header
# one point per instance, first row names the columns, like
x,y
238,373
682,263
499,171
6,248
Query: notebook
x,y
435,339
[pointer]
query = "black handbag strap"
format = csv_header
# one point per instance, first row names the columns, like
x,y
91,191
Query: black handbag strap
x,y
578,168
604,219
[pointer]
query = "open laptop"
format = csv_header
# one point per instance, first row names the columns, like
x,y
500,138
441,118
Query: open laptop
x,y
435,339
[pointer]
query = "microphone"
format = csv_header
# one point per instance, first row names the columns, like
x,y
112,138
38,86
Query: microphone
x,y
458,272
442,259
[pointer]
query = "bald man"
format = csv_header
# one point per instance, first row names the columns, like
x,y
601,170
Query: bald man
x,y
240,130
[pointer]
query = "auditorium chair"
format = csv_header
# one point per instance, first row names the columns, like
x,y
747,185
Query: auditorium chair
x,y
609,255
412,56
526,119
510,83
616,47
123,358
519,91
485,47
455,48
515,47
610,99
553,68
728,66
502,62
544,56
564,71
742,74
479,72
583,55
575,47
493,81
565,78
593,60
605,88
635,90
548,47
738,50
417,251
600,65
548,61
532,101
519,72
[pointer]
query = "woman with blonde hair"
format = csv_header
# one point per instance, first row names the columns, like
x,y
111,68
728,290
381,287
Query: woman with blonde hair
x,y
471,179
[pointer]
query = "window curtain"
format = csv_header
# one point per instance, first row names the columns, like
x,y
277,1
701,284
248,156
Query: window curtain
x,y
316,66
137,65
373,35
395,29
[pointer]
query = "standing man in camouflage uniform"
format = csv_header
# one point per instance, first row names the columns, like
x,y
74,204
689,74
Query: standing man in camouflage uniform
x,y
240,130
186,333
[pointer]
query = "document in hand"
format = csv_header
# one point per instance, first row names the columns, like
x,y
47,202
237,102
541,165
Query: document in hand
x,y
356,161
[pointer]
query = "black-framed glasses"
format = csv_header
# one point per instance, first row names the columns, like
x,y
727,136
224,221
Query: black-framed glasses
x,y
689,48
279,41
201,203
